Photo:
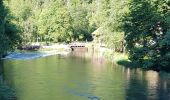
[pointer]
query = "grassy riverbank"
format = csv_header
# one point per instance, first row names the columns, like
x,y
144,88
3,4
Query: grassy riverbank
x,y
122,59
116,57
109,54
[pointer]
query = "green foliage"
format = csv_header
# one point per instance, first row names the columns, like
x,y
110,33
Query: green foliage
x,y
58,20
147,32
55,23
8,32
51,20
80,20
108,14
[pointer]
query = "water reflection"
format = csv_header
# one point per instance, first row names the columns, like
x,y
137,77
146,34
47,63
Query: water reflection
x,y
146,85
1,71
136,86
83,76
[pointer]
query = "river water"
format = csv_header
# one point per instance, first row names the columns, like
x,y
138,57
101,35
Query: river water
x,y
82,76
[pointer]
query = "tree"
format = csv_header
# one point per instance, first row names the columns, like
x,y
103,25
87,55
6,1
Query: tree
x,y
146,26
80,20
8,32
108,15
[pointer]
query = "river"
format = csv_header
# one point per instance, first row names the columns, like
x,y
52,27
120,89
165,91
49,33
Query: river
x,y
82,76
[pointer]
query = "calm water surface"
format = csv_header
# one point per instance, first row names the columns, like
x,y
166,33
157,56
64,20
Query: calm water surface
x,y
82,76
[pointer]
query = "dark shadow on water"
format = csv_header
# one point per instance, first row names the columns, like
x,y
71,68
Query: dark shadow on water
x,y
134,65
136,88
147,85
1,71
6,92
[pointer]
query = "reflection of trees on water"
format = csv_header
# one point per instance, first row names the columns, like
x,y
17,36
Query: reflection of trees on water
x,y
1,71
8,69
97,58
163,90
6,93
146,85
140,85
136,86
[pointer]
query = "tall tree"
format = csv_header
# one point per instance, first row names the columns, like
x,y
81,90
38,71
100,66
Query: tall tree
x,y
8,31
147,31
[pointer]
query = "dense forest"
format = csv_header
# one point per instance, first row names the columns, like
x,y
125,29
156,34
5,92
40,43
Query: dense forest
x,y
142,26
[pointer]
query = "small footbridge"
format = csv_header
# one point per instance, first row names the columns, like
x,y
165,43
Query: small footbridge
x,y
78,46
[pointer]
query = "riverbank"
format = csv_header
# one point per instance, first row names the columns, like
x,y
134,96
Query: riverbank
x,y
107,53
64,49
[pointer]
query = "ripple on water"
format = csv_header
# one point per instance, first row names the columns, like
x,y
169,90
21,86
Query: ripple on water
x,y
89,96
93,98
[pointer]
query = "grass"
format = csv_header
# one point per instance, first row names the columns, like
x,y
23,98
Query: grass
x,y
115,56
120,59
